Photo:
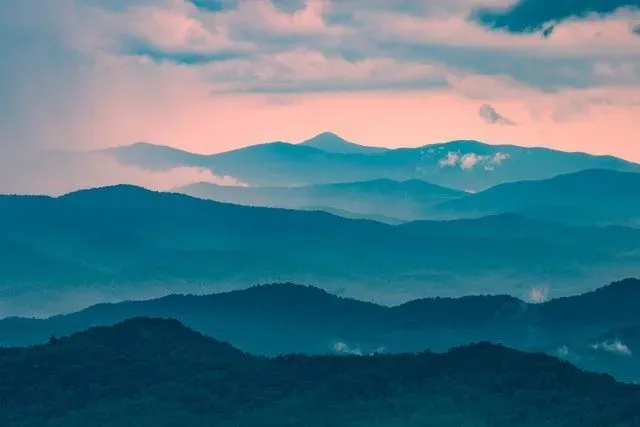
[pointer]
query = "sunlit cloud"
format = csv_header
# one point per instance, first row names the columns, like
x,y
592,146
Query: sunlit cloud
x,y
86,74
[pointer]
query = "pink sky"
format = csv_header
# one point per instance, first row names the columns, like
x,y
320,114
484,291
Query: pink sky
x,y
115,75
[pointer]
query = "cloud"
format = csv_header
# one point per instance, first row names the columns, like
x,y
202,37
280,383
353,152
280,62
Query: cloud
x,y
451,159
543,15
59,173
342,348
538,295
469,161
616,347
212,75
491,116
562,351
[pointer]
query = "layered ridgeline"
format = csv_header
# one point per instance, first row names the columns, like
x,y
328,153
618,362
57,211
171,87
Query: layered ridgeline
x,y
591,197
152,372
123,242
384,200
596,330
463,165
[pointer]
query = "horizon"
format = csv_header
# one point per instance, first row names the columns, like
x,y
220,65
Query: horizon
x,y
191,74
361,143
211,76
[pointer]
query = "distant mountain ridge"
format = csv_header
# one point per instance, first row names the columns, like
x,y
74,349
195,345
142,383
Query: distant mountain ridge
x,y
151,244
407,200
330,142
287,318
589,197
463,165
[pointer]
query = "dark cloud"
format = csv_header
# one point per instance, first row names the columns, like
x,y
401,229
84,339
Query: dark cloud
x,y
138,47
289,6
491,116
636,30
215,5
540,15
548,73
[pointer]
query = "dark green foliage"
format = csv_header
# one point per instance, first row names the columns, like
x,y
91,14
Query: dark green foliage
x,y
152,372
286,318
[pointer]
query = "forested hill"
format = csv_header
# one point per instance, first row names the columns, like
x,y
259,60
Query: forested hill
x,y
155,372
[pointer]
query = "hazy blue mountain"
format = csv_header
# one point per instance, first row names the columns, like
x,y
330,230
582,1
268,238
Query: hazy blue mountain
x,y
332,143
597,197
464,165
616,352
124,242
287,318
379,198
356,215
155,157
156,372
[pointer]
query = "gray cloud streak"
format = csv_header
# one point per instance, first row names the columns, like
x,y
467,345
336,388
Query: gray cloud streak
x,y
491,116
541,15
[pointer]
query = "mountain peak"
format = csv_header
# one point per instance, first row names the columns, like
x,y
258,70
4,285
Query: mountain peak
x,y
333,143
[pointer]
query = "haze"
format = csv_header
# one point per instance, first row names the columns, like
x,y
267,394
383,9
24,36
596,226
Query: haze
x,y
213,75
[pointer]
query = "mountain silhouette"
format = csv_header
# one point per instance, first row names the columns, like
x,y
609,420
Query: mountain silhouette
x,y
332,143
125,242
463,165
150,371
599,197
407,200
287,318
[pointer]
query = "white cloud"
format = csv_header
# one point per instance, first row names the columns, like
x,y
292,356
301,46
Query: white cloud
x,y
451,159
59,173
469,161
538,295
342,348
616,347
563,351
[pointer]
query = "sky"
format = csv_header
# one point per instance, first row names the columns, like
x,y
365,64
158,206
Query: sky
x,y
213,75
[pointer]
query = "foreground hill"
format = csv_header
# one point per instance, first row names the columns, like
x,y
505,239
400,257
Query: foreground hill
x,y
125,242
464,165
590,197
152,372
286,318
407,200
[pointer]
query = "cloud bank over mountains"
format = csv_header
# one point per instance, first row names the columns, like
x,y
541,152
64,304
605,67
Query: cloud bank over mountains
x,y
211,75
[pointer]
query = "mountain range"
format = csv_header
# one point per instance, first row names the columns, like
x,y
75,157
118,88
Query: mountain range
x,y
286,318
382,199
327,158
589,197
123,242
596,197
156,372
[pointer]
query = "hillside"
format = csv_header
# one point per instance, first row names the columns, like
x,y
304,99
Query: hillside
x,y
145,372
590,197
151,244
286,318
407,200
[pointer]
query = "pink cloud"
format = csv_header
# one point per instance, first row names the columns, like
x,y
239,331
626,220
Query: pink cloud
x,y
109,98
